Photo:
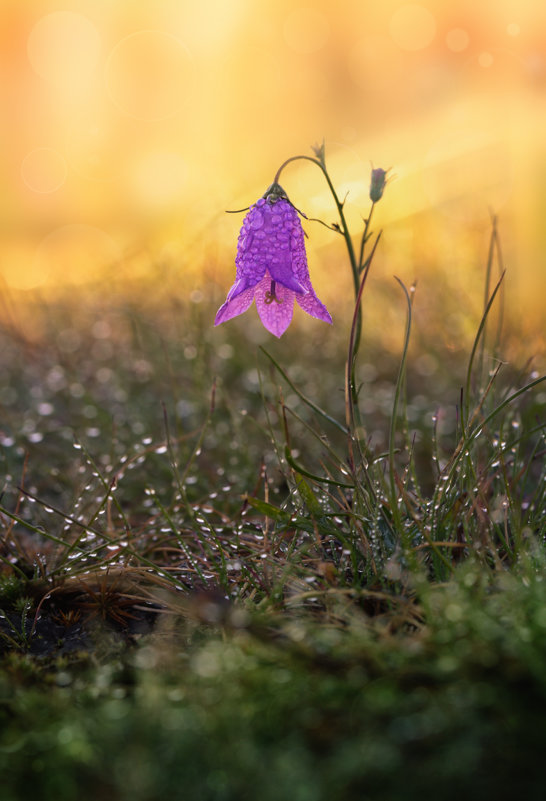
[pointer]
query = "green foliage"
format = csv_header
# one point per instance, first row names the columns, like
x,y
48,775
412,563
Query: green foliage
x,y
272,574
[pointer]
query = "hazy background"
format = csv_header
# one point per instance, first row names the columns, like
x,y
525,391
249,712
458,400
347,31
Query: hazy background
x,y
128,128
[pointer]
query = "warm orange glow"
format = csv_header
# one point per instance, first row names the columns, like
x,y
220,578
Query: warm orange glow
x,y
134,125
457,39
412,27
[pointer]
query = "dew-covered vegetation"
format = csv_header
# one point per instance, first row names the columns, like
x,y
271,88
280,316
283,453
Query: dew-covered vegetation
x,y
232,567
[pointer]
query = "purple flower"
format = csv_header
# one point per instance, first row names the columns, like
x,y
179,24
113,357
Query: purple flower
x,y
272,266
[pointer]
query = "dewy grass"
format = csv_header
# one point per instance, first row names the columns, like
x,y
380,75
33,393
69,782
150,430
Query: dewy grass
x,y
295,582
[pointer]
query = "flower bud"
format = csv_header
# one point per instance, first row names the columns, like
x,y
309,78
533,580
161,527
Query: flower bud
x,y
377,184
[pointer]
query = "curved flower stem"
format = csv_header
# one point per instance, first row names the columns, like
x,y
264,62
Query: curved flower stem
x,y
339,205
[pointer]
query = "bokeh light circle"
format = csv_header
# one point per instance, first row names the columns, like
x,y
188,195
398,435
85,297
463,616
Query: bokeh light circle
x,y
44,170
306,30
412,27
73,254
64,48
485,60
149,75
457,40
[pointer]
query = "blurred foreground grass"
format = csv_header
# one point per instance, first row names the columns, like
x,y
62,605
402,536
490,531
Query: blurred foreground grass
x,y
341,709
184,613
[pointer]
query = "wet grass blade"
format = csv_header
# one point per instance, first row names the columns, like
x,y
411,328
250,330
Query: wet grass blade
x,y
465,408
303,397
394,413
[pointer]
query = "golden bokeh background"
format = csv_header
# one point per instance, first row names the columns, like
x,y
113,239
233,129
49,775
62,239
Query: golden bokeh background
x,y
129,127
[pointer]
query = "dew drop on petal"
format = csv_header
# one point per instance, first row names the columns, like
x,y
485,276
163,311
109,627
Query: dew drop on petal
x,y
256,220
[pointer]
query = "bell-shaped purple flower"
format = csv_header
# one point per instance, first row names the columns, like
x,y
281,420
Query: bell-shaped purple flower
x,y
272,266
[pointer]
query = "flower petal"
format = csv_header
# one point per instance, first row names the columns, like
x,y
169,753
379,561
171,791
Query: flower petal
x,y
276,315
250,260
234,306
309,301
312,305
240,286
282,272
281,221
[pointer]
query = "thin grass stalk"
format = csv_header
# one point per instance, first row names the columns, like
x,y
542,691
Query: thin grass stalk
x,y
450,471
500,321
181,545
467,440
86,528
196,450
352,412
394,413
353,419
336,459
312,405
465,407
304,472
487,282
352,415
108,486
412,471
270,429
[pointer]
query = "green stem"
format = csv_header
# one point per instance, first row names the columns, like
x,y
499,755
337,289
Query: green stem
x,y
364,239
339,206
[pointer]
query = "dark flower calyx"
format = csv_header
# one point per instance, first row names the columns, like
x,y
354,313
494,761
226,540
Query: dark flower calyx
x,y
275,192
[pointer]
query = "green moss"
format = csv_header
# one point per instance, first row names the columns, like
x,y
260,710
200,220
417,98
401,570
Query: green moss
x,y
455,708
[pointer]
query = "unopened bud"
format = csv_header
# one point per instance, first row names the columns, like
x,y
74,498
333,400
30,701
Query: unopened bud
x,y
377,184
